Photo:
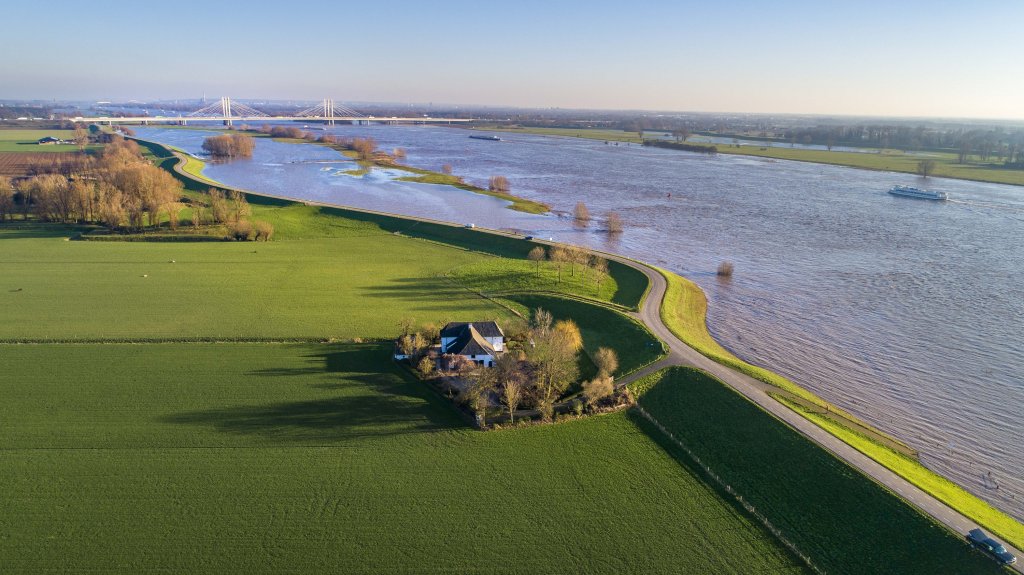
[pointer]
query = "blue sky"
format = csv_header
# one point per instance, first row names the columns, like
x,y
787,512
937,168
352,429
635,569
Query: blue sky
x,y
910,58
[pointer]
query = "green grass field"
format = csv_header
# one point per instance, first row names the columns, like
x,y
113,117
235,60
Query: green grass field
x,y
26,141
684,311
844,521
334,287
219,457
269,458
498,276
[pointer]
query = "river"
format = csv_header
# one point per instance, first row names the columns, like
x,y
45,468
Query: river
x,y
907,313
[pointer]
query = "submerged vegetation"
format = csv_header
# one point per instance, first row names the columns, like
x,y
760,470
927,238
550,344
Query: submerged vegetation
x,y
230,146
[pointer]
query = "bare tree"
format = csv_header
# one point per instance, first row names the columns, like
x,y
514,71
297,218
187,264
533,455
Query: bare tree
x,y
240,207
81,137
573,256
613,223
553,355
6,199
607,361
425,367
598,388
478,396
197,214
405,324
511,395
537,254
925,167
499,184
558,256
264,230
581,214
681,134
509,374
446,169
219,209
600,267
725,269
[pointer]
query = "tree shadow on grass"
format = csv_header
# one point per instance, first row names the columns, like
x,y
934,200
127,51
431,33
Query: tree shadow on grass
x,y
374,398
428,294
323,420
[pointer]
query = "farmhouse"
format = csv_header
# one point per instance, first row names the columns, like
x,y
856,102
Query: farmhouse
x,y
48,140
479,342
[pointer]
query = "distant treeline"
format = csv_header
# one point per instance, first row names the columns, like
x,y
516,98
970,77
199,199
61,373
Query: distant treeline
x,y
701,149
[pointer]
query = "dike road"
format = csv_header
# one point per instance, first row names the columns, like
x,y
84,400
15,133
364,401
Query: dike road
x,y
754,390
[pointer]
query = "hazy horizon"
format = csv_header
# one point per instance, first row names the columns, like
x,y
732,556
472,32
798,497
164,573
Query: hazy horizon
x,y
926,60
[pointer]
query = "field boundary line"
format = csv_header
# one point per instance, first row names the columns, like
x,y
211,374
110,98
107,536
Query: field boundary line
x,y
729,489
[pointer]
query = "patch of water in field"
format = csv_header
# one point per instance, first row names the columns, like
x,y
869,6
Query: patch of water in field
x,y
907,313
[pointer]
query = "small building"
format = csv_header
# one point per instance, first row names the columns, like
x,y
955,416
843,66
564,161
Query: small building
x,y
488,330
462,343
48,140
478,342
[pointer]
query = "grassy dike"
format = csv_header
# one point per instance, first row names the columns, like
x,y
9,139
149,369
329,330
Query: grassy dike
x,y
841,519
684,311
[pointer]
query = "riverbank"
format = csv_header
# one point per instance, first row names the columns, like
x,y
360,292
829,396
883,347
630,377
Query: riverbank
x,y
684,310
882,160
194,166
695,320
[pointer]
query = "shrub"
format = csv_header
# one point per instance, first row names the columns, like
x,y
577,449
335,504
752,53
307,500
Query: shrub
x,y
241,230
264,230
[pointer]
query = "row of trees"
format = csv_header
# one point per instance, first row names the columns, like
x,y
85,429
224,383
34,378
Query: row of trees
x,y
230,146
575,257
118,189
365,148
121,190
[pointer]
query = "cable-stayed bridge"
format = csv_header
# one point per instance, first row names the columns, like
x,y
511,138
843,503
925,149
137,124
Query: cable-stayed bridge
x,y
228,112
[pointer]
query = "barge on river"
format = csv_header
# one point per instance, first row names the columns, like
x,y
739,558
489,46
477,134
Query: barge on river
x,y
910,192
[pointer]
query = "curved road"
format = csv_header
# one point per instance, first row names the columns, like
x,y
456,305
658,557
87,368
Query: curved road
x,y
752,389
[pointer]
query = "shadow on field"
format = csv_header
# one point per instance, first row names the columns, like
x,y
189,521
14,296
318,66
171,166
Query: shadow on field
x,y
373,398
437,291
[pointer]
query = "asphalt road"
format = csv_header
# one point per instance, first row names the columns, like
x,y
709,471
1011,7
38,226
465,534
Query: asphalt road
x,y
755,391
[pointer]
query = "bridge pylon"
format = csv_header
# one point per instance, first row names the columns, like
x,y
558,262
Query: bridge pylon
x,y
329,111
225,107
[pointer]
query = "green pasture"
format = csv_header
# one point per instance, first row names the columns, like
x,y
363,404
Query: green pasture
x,y
26,141
844,521
321,458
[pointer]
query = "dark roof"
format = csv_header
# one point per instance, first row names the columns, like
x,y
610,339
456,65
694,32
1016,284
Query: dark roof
x,y
485,328
470,342
48,139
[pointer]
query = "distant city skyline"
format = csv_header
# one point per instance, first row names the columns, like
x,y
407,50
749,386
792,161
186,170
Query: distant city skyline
x,y
908,59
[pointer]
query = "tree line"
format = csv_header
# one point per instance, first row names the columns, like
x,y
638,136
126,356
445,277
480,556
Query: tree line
x,y
119,189
574,258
